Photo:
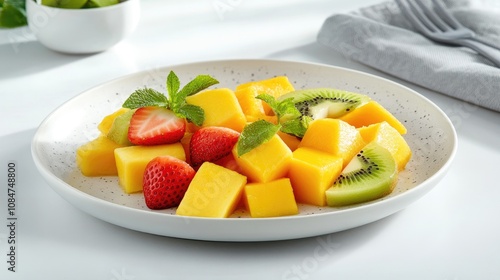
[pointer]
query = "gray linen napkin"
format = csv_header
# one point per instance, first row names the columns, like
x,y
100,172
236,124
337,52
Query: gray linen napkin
x,y
379,36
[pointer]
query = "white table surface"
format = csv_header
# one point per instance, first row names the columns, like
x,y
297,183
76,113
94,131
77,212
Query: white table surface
x,y
452,233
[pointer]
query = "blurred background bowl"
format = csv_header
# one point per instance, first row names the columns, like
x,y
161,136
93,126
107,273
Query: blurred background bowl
x,y
82,31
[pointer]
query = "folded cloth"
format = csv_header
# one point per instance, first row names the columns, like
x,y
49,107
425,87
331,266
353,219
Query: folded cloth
x,y
379,36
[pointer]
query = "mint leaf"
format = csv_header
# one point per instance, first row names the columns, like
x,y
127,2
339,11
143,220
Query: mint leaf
x,y
173,84
284,109
192,113
198,84
255,134
297,126
178,98
289,117
269,99
289,121
287,110
146,97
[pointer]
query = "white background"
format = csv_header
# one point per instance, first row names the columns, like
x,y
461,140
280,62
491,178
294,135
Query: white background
x,y
452,233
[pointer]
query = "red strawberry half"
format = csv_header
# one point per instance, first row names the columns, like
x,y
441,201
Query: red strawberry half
x,y
211,144
165,181
154,125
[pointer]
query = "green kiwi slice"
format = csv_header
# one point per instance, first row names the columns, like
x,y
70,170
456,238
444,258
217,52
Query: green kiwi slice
x,y
119,129
370,175
325,102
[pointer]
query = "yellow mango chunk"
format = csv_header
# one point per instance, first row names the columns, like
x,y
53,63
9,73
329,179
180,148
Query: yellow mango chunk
x,y
291,141
97,158
276,87
221,108
312,172
214,192
335,137
267,162
131,162
252,108
271,199
105,125
371,113
185,140
388,137
271,119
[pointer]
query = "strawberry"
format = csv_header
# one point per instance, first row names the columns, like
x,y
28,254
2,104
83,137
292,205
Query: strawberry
x,y
211,144
152,125
161,119
165,181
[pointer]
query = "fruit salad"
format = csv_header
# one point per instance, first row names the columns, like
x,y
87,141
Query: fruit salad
x,y
262,146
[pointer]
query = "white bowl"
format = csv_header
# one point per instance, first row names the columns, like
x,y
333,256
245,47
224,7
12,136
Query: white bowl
x,y
82,31
430,135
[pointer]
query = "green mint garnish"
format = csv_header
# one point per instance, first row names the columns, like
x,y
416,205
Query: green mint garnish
x,y
255,134
289,117
173,84
176,99
198,84
193,113
146,97
284,109
297,126
289,121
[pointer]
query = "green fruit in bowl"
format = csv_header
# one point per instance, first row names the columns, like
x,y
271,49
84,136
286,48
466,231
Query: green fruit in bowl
x,y
100,3
66,4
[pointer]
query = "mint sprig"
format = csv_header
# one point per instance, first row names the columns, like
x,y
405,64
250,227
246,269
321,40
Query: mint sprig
x,y
290,121
146,97
199,83
289,117
297,126
255,134
176,99
284,109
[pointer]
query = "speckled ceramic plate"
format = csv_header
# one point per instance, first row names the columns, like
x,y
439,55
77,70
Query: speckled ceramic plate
x,y
430,135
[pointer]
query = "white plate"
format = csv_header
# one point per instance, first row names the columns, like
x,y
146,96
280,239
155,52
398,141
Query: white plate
x,y
430,135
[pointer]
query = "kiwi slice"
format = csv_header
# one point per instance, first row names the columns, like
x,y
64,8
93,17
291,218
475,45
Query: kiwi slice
x,y
371,174
325,102
119,129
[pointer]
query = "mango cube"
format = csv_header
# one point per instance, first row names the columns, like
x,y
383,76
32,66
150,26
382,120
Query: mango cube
x,y
388,137
267,162
97,158
252,107
290,140
105,125
221,108
271,199
247,92
335,137
131,162
214,192
312,172
371,113
185,140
